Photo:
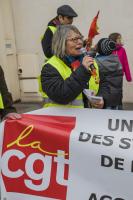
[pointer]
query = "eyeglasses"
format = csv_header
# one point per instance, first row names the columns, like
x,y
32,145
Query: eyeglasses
x,y
75,39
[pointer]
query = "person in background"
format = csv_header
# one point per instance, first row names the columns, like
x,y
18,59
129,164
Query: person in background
x,y
65,15
6,104
111,77
121,52
62,84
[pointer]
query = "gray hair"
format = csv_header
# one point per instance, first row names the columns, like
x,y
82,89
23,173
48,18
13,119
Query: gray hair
x,y
60,38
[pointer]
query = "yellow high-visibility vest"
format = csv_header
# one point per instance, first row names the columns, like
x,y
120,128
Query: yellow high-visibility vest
x,y
52,28
65,72
1,102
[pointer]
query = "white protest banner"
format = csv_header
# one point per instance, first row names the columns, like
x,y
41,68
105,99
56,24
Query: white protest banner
x,y
68,154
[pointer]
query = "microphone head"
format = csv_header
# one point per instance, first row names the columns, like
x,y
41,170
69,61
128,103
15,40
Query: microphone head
x,y
83,51
89,53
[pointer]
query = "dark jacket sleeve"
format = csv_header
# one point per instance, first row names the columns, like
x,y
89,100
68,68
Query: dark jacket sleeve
x,y
47,43
63,91
6,96
104,89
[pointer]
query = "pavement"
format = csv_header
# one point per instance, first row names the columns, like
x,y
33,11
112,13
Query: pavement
x,y
23,107
27,107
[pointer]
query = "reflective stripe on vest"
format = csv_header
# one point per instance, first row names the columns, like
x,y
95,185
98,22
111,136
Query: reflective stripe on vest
x,y
94,81
74,104
1,103
65,72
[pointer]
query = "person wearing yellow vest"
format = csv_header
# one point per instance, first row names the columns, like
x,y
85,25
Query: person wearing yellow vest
x,y
65,15
63,85
7,110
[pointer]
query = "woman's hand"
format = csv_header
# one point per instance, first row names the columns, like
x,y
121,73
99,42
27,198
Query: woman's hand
x,y
87,61
98,105
12,116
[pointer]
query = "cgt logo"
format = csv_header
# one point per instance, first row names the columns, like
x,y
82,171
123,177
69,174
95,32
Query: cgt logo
x,y
35,158
30,161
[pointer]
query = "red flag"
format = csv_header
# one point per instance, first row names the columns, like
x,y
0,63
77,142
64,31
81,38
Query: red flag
x,y
93,27
93,30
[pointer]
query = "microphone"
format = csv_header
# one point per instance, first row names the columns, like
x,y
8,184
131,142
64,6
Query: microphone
x,y
91,54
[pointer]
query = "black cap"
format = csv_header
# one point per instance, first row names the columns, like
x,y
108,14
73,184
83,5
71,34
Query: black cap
x,y
106,46
66,10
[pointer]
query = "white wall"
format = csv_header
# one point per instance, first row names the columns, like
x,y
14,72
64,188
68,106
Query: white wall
x,y
31,18
8,55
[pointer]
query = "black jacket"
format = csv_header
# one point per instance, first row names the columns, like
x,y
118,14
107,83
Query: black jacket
x,y
111,79
6,96
47,38
64,91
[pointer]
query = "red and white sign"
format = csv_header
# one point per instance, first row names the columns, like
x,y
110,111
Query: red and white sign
x,y
35,155
67,154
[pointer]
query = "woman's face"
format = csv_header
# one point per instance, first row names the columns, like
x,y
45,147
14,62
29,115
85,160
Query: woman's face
x,y
74,43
